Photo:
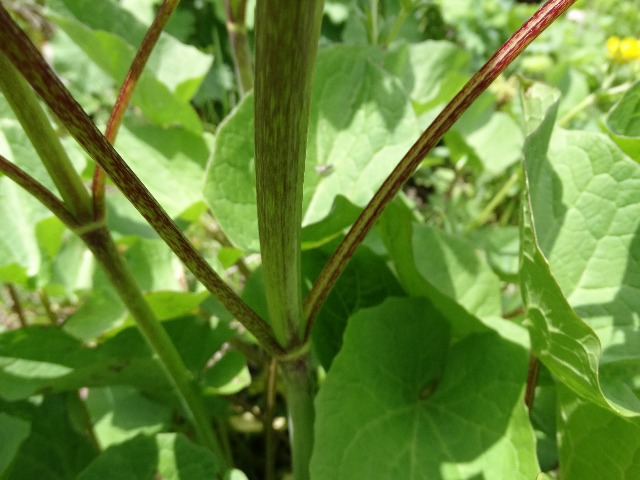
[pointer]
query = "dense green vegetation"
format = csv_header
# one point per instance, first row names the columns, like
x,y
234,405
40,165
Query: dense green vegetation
x,y
210,316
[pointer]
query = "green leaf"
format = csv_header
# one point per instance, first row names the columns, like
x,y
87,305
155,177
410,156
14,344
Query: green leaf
x,y
54,450
623,122
230,179
37,360
13,430
366,281
45,359
445,269
167,305
170,162
452,266
397,231
360,126
429,71
502,247
135,459
397,403
168,455
581,217
494,156
228,375
20,252
120,413
110,36
342,215
156,271
596,443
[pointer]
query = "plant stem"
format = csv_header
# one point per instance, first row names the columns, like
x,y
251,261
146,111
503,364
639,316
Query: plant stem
x,y
16,305
287,36
101,244
300,385
124,96
269,411
38,191
372,15
236,12
532,381
392,185
36,125
26,58
46,304
286,44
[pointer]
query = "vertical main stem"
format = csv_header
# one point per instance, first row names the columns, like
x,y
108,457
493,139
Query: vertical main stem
x,y
286,45
287,36
300,386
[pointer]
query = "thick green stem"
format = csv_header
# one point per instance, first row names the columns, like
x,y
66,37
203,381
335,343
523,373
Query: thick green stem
x,y
239,39
300,390
286,44
102,246
36,125
513,47
26,58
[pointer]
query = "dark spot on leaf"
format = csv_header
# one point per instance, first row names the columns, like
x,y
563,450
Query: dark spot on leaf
x,y
428,390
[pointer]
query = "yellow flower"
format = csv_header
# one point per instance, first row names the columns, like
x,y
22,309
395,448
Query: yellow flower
x,y
623,49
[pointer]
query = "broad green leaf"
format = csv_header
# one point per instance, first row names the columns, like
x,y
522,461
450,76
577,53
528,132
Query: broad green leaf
x,y
135,459
168,456
170,162
120,413
36,360
585,201
40,359
13,430
596,443
398,403
366,281
156,271
562,341
228,374
581,212
72,267
100,311
429,71
110,36
397,230
124,220
54,449
21,254
502,247
360,126
230,178
343,214
623,122
452,266
167,304
445,269
494,156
